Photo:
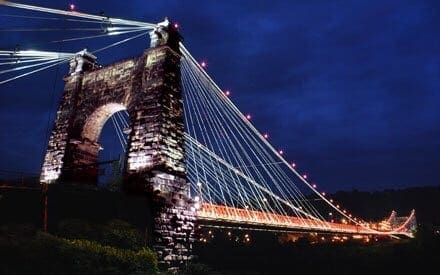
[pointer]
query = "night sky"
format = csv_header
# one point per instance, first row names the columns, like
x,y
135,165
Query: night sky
x,y
350,90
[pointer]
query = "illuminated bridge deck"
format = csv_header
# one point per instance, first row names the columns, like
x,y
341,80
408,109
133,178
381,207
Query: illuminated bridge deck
x,y
226,214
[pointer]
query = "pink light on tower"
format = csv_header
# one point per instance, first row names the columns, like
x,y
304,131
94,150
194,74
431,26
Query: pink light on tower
x,y
176,25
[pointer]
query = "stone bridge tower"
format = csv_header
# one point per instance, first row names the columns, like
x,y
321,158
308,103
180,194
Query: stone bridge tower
x,y
149,88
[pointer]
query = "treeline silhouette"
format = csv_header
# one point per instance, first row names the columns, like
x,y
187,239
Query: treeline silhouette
x,y
379,204
94,243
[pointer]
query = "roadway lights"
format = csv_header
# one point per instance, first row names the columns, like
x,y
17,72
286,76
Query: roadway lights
x,y
203,64
72,7
248,117
227,93
247,238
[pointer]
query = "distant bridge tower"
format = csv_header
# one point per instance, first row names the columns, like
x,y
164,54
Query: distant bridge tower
x,y
149,88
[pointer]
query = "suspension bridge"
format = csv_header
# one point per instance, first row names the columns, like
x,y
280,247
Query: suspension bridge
x,y
179,130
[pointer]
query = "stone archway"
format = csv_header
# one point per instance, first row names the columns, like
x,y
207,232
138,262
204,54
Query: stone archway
x,y
95,122
102,128
149,87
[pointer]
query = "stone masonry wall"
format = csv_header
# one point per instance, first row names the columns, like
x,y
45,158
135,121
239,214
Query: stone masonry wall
x,y
149,88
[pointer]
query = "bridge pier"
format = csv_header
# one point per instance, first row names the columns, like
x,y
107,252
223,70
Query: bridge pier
x,y
149,88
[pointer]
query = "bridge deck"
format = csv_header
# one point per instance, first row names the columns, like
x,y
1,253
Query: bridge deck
x,y
220,213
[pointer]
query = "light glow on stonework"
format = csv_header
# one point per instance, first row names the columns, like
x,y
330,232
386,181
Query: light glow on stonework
x,y
49,176
137,163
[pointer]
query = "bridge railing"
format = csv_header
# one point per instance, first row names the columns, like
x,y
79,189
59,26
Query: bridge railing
x,y
245,216
239,215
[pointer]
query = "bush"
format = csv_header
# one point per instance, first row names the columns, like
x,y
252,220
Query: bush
x,y
122,234
78,229
89,256
197,269
114,233
47,254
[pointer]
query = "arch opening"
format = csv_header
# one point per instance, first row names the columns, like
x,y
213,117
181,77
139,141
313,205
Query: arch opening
x,y
108,128
95,123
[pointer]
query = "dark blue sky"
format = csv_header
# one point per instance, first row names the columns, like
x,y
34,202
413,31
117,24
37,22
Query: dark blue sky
x,y
349,89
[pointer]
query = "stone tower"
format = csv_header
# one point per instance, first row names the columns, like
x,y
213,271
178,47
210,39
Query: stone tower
x,y
149,88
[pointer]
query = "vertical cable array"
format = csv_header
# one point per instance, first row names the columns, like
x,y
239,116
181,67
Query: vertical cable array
x,y
235,175
227,160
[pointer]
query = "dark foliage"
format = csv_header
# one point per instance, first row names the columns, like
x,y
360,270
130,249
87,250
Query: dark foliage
x,y
116,233
24,250
264,255
379,204
82,245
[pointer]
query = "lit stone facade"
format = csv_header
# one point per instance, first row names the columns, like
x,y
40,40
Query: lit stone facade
x,y
149,88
